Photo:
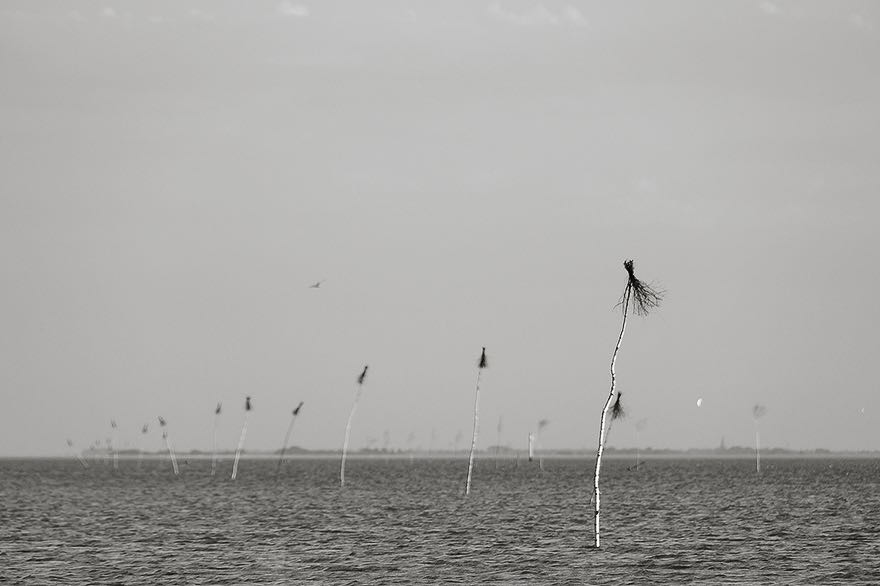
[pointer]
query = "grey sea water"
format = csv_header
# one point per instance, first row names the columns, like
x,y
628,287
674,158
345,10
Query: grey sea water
x,y
802,521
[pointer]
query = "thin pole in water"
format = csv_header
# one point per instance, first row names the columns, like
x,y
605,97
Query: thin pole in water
x,y
247,411
357,397
294,413
483,363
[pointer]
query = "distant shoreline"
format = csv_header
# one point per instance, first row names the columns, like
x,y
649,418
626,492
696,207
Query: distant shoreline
x,y
612,454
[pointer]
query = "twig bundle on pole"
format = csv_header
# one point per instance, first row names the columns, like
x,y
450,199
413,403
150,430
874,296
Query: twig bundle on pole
x,y
247,411
168,446
217,411
357,397
640,298
483,363
294,413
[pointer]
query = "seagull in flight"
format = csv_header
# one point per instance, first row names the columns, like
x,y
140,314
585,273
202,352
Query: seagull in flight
x,y
317,284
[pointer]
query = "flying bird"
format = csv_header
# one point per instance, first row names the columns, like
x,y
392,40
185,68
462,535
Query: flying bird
x,y
317,284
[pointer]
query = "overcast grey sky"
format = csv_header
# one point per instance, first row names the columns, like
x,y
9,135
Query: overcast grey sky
x,y
173,176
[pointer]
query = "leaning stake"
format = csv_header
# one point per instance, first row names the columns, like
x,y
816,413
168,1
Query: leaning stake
x,y
357,397
643,298
168,446
214,439
758,412
247,411
295,412
483,363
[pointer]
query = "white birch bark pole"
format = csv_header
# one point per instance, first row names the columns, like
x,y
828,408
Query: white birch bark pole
x,y
286,440
357,397
217,411
757,449
171,453
540,453
115,446
467,489
608,404
240,445
214,446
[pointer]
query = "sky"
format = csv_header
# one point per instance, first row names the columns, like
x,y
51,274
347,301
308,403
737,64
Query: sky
x,y
174,175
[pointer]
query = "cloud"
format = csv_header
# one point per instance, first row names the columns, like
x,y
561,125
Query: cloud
x,y
288,8
538,15
860,22
574,16
200,15
769,8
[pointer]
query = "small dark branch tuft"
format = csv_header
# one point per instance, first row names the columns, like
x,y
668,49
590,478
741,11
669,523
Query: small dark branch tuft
x,y
644,296
483,362
162,421
247,404
617,411
298,407
758,411
542,424
219,408
363,375
145,428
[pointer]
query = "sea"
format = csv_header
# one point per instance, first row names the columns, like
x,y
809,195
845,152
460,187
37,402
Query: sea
x,y
408,521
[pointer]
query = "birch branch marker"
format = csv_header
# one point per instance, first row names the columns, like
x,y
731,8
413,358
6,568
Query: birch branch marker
x,y
357,397
144,430
77,454
483,363
217,411
168,446
758,411
115,444
247,411
640,298
294,413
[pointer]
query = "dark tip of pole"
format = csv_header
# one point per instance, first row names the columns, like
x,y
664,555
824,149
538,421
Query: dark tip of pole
x,y
219,408
162,421
483,362
629,265
363,375
247,404
298,407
